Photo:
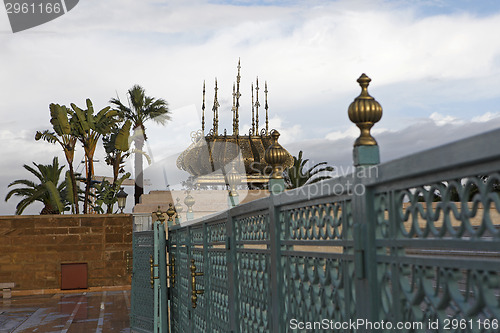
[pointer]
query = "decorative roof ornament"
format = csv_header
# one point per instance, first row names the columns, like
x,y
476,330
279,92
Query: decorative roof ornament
x,y
257,104
365,111
276,156
203,110
216,111
204,159
266,107
253,114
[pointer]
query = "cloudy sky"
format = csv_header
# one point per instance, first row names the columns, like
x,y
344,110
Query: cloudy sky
x,y
434,66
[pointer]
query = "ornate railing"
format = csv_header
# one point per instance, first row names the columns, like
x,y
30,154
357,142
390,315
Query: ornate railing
x,y
412,245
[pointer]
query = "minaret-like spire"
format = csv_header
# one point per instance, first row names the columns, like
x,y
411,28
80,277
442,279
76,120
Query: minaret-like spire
x,y
203,111
257,104
253,115
267,114
234,109
237,119
216,111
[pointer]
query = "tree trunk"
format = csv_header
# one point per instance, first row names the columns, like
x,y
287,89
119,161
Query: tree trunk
x,y
75,190
90,173
139,178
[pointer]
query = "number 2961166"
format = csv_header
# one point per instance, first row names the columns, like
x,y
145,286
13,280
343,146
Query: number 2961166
x,y
32,8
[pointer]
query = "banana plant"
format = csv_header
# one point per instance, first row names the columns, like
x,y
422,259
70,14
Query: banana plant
x,y
88,129
64,136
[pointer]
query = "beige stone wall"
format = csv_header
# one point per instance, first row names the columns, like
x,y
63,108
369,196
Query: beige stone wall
x,y
32,249
206,201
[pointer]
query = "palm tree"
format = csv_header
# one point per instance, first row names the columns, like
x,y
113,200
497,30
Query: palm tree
x,y
295,176
141,109
88,128
47,191
64,136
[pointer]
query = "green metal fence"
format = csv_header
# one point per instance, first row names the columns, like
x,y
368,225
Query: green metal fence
x,y
412,245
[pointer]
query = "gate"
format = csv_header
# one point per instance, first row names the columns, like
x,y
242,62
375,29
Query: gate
x,y
149,286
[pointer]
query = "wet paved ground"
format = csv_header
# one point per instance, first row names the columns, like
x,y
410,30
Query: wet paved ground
x,y
106,311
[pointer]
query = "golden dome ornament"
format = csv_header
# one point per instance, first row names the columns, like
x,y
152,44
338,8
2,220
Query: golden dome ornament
x,y
365,111
276,156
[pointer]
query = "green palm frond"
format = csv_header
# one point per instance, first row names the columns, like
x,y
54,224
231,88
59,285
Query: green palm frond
x,y
45,191
296,176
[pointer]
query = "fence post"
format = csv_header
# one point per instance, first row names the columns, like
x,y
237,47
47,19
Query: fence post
x,y
232,275
365,111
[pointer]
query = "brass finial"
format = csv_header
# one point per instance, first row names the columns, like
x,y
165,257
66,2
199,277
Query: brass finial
x,y
203,110
253,115
159,215
267,115
257,104
170,212
365,111
216,111
275,156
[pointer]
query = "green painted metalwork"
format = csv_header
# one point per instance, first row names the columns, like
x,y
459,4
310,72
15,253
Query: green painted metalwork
x,y
160,279
149,287
413,242
142,298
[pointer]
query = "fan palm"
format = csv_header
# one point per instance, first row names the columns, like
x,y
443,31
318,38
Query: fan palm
x,y
296,176
49,191
141,109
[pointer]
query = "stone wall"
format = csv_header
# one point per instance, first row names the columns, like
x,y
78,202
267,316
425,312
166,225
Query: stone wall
x,y
32,249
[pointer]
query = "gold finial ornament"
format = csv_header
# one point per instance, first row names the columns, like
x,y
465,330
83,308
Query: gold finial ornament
x,y
365,111
170,212
276,156
159,215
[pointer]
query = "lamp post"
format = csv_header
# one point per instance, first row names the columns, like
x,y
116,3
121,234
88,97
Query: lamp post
x,y
122,199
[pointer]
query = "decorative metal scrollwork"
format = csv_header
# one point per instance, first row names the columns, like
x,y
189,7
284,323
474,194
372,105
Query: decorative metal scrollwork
x,y
152,266
171,277
195,292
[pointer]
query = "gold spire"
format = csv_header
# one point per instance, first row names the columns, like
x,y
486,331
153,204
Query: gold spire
x,y
267,115
237,119
257,104
234,109
203,111
253,115
216,111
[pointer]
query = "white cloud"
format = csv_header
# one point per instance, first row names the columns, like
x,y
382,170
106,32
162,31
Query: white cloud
x,y
310,53
486,117
442,120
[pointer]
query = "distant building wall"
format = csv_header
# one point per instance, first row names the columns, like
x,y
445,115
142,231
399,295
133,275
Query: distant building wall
x,y
32,249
